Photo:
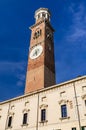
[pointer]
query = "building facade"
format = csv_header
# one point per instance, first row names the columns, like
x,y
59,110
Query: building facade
x,y
45,106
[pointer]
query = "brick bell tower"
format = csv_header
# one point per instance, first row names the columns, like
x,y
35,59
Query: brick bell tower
x,y
41,65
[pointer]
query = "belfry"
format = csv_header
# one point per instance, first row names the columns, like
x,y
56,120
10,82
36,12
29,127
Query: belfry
x,y
41,65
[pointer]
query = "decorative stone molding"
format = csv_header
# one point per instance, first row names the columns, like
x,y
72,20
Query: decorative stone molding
x,y
62,93
12,107
25,110
63,101
9,127
84,96
70,103
43,99
84,88
27,102
43,106
80,81
23,125
11,113
62,118
43,122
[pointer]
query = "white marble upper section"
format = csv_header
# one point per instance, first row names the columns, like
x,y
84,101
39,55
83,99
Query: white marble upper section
x,y
43,13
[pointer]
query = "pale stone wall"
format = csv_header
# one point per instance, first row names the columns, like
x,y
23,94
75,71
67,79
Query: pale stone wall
x,y
51,99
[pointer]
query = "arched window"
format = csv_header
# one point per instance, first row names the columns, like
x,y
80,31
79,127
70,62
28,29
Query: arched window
x,y
64,106
37,33
43,113
43,15
10,117
25,119
38,16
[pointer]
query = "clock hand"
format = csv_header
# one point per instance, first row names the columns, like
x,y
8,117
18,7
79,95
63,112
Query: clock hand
x,y
35,53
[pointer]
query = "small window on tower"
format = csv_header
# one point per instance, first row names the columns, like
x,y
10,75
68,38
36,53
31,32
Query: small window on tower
x,y
38,16
37,34
43,15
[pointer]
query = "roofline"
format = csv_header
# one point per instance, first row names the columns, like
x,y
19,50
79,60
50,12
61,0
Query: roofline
x,y
42,9
44,89
36,24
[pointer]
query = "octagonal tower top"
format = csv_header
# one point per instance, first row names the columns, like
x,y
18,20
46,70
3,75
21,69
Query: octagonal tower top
x,y
42,14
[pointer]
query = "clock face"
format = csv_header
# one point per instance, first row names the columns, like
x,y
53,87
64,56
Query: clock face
x,y
36,52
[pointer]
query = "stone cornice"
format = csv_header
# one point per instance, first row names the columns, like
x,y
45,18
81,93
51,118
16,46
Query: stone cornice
x,y
42,21
45,89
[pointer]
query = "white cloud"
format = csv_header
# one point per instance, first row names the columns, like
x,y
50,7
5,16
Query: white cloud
x,y
14,68
20,76
77,30
19,83
6,66
21,79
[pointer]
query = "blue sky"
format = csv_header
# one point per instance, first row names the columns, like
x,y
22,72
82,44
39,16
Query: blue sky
x,y
16,16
